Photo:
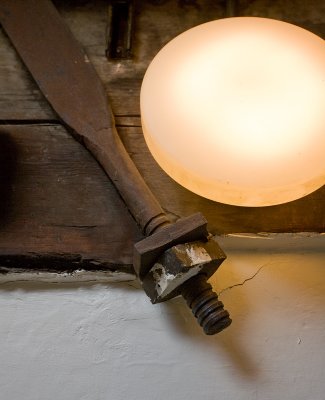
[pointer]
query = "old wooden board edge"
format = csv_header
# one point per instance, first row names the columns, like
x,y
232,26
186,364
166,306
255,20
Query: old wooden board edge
x,y
69,278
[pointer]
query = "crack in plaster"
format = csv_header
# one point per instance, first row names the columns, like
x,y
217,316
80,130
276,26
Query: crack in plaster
x,y
244,281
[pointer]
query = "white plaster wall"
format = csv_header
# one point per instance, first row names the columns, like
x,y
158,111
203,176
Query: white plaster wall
x,y
94,341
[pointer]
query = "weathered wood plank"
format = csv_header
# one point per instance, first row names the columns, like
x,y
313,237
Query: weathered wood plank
x,y
57,204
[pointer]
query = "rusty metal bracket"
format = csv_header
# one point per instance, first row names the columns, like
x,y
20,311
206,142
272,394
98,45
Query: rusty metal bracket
x,y
68,80
178,259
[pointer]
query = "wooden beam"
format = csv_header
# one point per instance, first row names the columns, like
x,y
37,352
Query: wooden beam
x,y
57,207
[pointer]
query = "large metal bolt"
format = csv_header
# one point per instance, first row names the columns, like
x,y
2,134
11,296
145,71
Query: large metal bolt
x,y
177,259
205,305
183,270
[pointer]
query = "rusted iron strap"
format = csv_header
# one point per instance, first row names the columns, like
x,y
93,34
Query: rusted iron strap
x,y
68,80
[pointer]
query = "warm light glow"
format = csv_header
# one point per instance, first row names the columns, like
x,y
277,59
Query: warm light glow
x,y
234,110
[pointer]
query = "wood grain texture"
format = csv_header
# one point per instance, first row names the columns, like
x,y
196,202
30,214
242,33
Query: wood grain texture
x,y
56,203
68,80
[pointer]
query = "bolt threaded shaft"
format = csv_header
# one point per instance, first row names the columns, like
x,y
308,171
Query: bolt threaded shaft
x,y
205,305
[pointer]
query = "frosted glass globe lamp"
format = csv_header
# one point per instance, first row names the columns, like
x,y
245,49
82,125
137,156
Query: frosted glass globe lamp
x,y
234,110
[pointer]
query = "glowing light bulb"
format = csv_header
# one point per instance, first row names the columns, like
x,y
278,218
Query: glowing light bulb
x,y
234,110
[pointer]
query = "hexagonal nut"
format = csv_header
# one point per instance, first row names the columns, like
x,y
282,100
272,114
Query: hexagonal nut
x,y
178,264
